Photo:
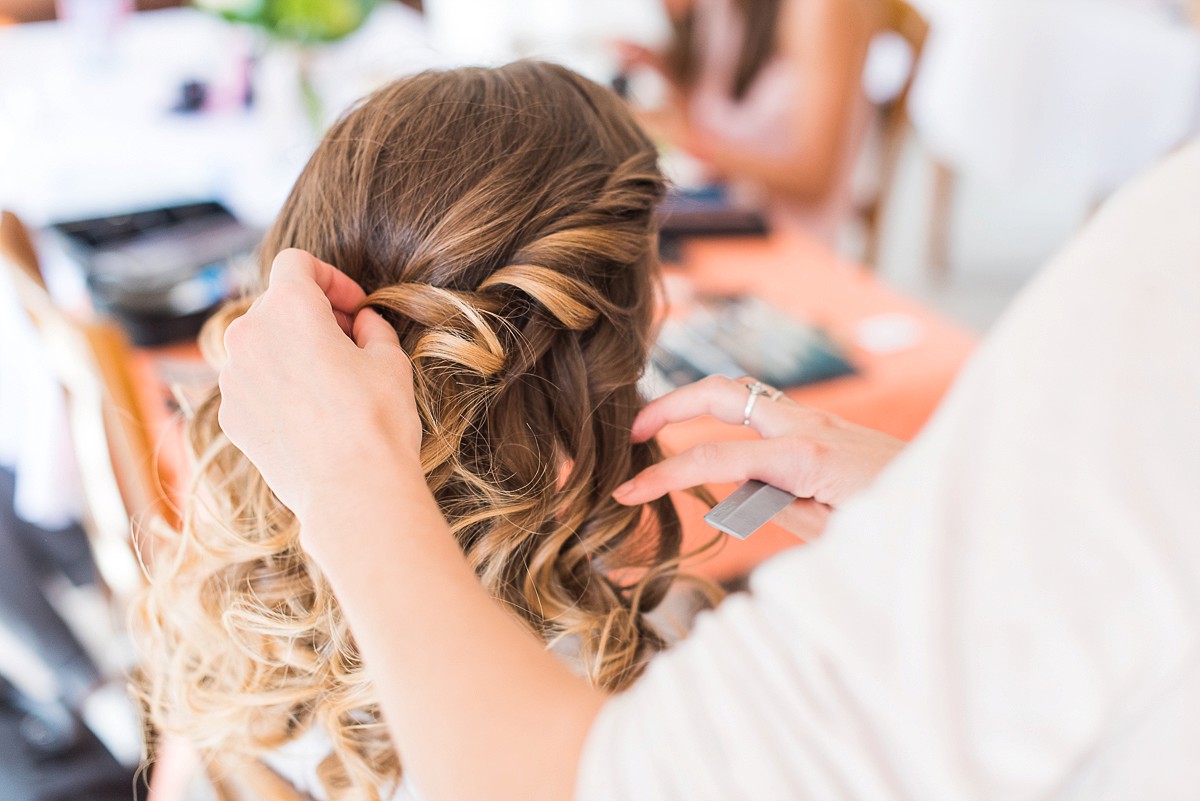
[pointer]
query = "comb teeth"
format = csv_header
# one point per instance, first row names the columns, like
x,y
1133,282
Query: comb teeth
x,y
748,508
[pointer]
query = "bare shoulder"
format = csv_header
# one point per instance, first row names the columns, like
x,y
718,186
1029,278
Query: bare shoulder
x,y
808,25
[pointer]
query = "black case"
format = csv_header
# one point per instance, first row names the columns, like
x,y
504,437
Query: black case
x,y
160,273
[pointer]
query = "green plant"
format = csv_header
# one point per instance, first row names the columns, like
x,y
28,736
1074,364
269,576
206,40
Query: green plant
x,y
295,20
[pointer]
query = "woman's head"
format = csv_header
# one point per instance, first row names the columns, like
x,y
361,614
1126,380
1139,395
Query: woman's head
x,y
447,178
501,219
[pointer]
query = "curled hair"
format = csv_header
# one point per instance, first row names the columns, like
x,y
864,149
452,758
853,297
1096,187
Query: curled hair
x,y
501,220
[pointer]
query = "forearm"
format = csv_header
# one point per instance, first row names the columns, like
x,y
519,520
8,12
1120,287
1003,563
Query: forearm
x,y
796,176
476,706
823,46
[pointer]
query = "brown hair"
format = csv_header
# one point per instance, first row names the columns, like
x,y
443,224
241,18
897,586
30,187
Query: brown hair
x,y
759,43
501,219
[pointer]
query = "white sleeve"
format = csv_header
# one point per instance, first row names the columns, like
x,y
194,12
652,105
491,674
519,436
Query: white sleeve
x,y
1012,611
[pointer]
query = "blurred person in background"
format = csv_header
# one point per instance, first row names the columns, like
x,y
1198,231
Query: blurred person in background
x,y
770,93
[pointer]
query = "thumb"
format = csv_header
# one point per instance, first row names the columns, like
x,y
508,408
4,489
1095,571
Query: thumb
x,y
371,330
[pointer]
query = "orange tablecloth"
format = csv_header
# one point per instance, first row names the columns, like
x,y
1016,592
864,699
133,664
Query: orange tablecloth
x,y
157,373
894,392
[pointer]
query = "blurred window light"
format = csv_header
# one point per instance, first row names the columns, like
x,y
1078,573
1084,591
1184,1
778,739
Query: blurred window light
x,y
1037,93
888,65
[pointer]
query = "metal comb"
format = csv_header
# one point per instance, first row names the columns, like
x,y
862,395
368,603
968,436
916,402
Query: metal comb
x,y
748,509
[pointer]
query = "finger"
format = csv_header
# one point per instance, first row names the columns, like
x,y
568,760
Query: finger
x,y
345,322
371,330
631,53
294,264
710,463
717,396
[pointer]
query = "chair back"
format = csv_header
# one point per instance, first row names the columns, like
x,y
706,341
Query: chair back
x,y
905,21
108,433
116,464
17,248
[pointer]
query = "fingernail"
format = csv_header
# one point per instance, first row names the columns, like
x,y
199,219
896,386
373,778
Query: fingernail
x,y
623,490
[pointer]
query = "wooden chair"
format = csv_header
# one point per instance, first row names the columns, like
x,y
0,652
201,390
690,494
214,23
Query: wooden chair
x,y
908,23
945,179
122,496
109,436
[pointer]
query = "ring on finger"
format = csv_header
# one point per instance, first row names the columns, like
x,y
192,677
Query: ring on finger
x,y
756,389
747,381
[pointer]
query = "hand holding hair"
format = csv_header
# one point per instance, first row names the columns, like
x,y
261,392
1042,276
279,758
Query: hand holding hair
x,y
305,401
816,456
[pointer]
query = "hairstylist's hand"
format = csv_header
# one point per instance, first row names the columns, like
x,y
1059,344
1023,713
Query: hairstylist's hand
x,y
632,55
319,398
820,458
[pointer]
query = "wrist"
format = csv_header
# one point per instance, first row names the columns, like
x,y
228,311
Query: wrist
x,y
346,511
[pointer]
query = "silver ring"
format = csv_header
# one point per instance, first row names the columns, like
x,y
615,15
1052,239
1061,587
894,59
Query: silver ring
x,y
757,388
